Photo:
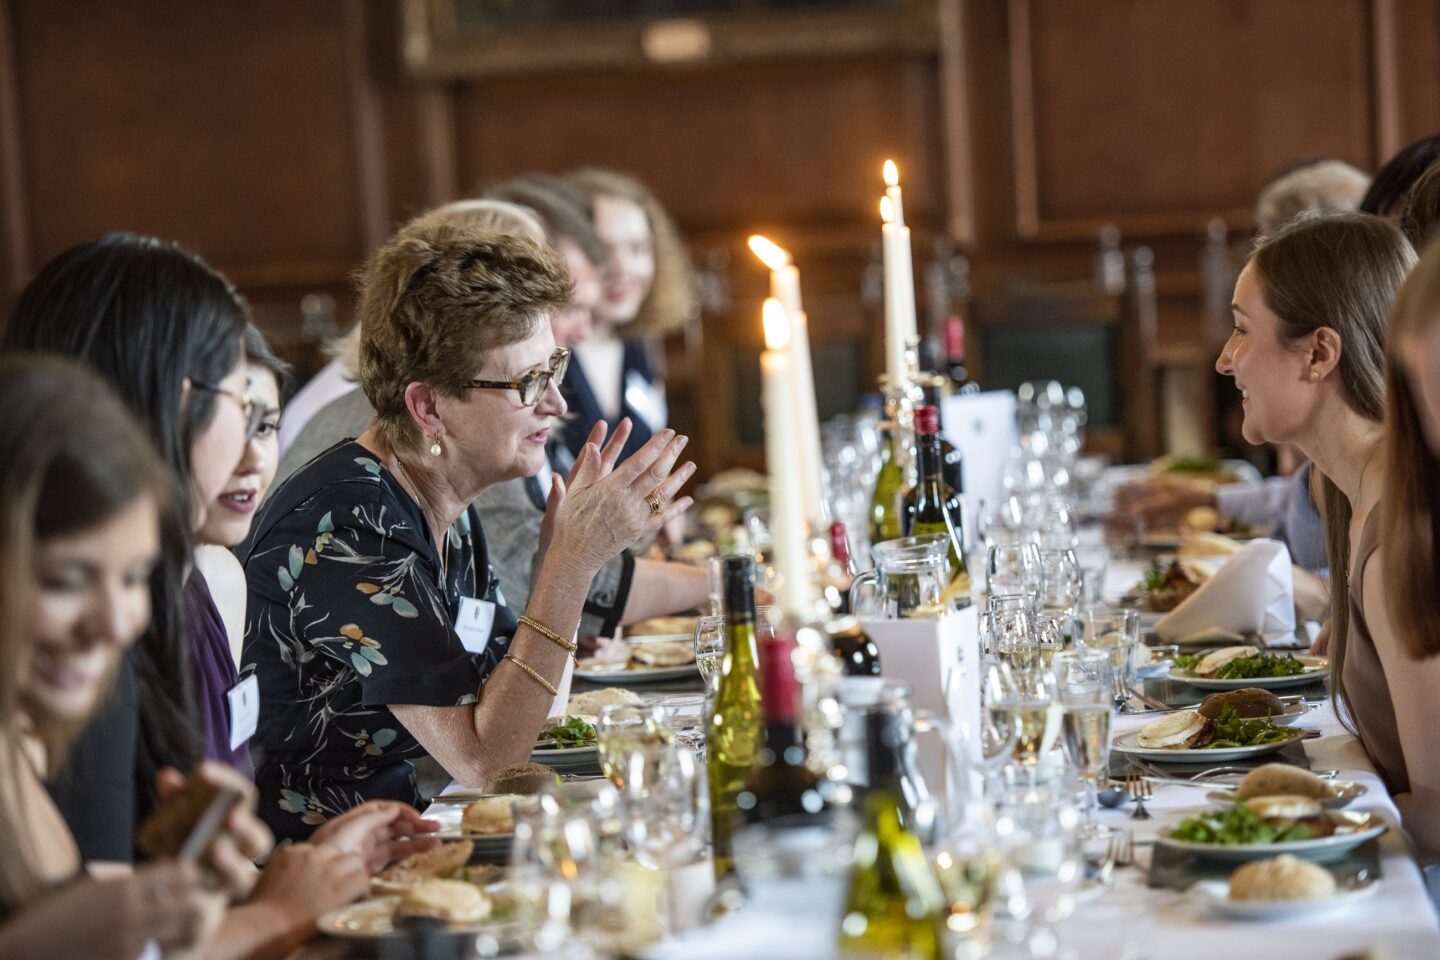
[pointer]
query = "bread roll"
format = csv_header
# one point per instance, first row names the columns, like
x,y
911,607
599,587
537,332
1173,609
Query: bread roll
x,y
591,702
522,778
663,653
452,901
489,816
1281,878
1247,701
433,864
1282,778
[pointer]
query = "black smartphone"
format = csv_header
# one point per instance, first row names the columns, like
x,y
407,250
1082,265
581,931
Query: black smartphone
x,y
198,840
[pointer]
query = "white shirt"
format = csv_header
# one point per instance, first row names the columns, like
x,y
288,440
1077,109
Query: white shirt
x,y
602,360
332,382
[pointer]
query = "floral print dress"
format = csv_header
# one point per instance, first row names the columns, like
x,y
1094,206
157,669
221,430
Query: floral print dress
x,y
349,611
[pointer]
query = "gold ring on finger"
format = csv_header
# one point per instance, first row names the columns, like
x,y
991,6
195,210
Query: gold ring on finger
x,y
656,507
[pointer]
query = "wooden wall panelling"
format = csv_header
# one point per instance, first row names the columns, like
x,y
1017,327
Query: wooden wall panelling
x,y
1416,26
1129,112
14,204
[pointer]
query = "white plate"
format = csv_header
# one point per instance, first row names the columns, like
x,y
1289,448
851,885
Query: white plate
x,y
688,638
633,674
1345,792
372,919
1129,744
570,758
1315,668
1320,849
1215,894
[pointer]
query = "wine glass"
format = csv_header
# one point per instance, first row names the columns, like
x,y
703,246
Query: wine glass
x,y
1013,568
565,887
1012,637
999,720
632,741
1083,685
710,649
1061,590
1037,825
685,716
665,818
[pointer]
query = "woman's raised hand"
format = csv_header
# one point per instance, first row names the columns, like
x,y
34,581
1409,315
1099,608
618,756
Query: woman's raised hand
x,y
608,507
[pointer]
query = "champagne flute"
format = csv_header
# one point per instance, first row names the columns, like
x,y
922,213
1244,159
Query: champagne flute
x,y
1083,683
665,819
1036,688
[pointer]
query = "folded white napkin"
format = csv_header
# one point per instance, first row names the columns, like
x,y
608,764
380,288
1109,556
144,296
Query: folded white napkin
x,y
1251,593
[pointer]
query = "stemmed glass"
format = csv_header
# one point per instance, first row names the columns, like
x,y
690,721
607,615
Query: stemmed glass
x,y
1083,684
994,743
1012,637
1013,568
565,884
632,742
665,818
1036,687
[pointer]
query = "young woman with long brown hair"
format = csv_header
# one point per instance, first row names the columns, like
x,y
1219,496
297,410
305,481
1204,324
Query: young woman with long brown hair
x,y
81,494
1307,353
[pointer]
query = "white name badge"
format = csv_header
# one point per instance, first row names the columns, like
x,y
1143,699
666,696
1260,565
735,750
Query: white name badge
x,y
473,625
244,700
646,399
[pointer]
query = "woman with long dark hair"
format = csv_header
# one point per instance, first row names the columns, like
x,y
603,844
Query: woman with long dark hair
x,y
165,331
1307,354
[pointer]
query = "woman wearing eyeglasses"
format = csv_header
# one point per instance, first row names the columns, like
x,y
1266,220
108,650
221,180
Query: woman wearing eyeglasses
x,y
375,625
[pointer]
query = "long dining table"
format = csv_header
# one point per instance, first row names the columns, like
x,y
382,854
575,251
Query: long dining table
x,y
1135,921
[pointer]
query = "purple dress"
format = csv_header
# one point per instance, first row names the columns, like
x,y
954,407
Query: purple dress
x,y
214,674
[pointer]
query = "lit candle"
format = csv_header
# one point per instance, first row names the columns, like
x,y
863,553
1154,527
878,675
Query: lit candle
x,y
788,533
785,287
900,323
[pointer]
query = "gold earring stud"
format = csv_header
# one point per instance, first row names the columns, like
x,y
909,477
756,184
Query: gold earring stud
x,y
1314,373
435,446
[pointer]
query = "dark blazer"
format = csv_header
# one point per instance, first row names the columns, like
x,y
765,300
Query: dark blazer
x,y
585,409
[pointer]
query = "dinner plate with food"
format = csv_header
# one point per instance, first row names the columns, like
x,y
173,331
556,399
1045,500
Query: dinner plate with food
x,y
448,861
1283,779
1188,736
1237,667
487,822
649,660
1277,888
1269,826
443,906
567,742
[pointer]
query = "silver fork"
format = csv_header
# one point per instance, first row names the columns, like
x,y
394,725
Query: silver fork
x,y
1140,789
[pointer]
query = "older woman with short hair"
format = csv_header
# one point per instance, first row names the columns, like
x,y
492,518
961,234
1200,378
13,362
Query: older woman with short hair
x,y
375,625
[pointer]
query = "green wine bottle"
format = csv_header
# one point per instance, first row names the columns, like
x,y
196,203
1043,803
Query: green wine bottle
x,y
894,907
735,730
932,506
886,520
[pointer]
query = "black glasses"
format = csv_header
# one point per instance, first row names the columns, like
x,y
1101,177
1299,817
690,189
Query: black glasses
x,y
533,385
254,412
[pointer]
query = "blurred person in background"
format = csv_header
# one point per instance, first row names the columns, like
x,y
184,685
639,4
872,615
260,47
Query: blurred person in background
x,y
648,292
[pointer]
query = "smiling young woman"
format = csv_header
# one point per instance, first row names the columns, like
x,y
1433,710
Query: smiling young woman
x,y
1307,354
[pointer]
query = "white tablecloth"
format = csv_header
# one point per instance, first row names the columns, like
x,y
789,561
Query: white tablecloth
x,y
1168,925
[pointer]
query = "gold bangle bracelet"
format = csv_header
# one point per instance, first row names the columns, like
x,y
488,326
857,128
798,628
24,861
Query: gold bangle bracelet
x,y
569,646
530,670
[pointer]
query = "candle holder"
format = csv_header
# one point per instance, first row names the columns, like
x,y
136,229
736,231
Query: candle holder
x,y
900,402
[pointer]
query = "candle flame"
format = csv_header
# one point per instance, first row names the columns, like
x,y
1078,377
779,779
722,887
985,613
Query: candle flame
x,y
777,325
887,210
892,174
770,253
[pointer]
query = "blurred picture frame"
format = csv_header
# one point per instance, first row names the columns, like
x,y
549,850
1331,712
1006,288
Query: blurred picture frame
x,y
455,39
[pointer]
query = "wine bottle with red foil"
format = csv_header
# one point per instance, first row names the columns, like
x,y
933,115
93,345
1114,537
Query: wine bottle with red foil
x,y
955,368
952,465
780,784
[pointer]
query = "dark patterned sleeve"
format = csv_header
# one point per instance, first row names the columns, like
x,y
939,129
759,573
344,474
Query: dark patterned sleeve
x,y
360,587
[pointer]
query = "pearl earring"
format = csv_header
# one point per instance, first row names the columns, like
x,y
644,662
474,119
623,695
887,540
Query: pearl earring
x,y
435,446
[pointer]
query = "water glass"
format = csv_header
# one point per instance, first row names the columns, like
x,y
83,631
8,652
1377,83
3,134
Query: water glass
x,y
685,716
1115,630
796,866
565,887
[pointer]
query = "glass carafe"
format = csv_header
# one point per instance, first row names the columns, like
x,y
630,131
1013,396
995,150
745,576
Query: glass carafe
x,y
908,581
